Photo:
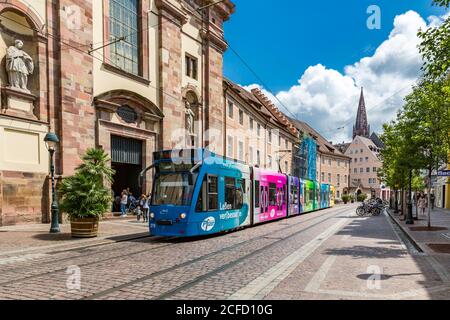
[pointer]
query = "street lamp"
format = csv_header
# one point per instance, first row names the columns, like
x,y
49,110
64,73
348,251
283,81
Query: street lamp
x,y
51,142
409,216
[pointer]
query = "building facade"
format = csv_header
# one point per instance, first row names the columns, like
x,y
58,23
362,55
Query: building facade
x,y
442,190
365,160
129,76
332,166
364,167
257,133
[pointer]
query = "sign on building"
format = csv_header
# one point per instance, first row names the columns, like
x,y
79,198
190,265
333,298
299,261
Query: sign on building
x,y
443,173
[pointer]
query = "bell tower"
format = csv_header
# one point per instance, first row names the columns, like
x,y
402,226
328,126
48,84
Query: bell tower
x,y
361,127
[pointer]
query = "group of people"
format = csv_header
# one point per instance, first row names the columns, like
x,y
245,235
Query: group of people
x,y
128,202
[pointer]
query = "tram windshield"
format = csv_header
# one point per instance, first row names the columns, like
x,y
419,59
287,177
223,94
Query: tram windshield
x,y
173,189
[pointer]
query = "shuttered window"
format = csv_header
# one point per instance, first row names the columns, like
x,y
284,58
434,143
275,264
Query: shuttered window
x,y
126,151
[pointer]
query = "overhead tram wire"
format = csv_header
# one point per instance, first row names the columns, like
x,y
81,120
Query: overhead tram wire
x,y
159,24
374,107
90,52
84,52
123,38
262,81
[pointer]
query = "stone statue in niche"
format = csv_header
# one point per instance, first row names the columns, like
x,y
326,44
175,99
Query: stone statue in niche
x,y
19,65
190,118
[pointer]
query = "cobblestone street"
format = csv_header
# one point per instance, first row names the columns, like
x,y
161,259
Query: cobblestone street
x,y
330,254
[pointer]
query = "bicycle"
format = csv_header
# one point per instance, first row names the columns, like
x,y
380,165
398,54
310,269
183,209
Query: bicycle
x,y
369,208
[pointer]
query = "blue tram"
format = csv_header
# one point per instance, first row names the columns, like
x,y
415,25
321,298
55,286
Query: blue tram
x,y
196,192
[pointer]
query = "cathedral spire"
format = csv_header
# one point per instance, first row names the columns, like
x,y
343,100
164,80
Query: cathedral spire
x,y
361,127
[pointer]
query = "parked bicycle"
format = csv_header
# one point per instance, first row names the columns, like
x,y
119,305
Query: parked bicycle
x,y
372,207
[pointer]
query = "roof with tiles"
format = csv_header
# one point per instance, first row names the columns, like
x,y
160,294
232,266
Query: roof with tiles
x,y
275,111
324,146
263,107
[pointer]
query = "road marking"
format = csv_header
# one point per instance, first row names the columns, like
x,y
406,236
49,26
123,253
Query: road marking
x,y
320,275
28,257
259,288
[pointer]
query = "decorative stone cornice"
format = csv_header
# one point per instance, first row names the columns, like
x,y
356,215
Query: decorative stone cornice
x,y
170,7
106,105
217,40
224,9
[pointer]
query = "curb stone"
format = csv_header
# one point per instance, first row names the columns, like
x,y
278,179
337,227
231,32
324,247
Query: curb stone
x,y
406,233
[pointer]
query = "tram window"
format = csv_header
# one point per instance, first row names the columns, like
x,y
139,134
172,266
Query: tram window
x,y
294,196
272,194
213,193
239,195
201,202
256,194
230,192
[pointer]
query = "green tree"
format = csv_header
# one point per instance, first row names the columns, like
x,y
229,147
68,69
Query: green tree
x,y
435,47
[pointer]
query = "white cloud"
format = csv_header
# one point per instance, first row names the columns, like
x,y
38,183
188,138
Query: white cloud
x,y
328,99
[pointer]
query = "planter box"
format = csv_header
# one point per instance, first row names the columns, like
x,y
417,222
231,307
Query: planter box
x,y
84,227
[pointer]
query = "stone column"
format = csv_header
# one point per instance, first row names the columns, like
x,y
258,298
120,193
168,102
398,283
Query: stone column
x,y
171,19
77,113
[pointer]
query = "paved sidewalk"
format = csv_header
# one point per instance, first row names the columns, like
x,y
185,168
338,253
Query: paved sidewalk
x,y
427,239
33,238
435,243
367,259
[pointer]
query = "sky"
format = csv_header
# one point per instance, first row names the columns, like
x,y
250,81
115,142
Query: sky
x,y
315,56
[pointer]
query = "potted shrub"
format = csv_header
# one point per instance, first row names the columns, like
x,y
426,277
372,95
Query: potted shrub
x,y
352,198
84,197
345,198
362,197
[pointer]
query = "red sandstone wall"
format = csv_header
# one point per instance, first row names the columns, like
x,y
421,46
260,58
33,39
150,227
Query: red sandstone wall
x,y
170,79
77,114
21,197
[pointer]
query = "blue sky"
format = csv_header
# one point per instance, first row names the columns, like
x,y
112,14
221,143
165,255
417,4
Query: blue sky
x,y
281,38
315,55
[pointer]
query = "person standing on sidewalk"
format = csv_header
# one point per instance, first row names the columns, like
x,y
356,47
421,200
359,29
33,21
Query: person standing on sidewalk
x,y
123,203
432,199
422,204
146,208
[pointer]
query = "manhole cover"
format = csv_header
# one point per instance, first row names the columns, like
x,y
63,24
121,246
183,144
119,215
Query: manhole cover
x,y
440,248
432,229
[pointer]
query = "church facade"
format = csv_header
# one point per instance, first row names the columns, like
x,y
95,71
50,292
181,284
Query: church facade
x,y
131,77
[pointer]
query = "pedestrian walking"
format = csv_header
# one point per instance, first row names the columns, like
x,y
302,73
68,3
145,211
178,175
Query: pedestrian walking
x,y
146,208
123,203
422,204
432,199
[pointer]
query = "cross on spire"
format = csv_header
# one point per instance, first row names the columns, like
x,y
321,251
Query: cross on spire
x,y
361,127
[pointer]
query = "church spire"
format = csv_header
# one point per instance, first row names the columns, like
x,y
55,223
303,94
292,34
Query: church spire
x,y
361,127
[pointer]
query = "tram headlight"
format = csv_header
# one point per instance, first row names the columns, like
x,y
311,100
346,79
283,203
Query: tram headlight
x,y
183,216
152,215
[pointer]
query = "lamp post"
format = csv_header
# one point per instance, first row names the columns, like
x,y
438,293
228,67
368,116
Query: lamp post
x,y
409,216
51,142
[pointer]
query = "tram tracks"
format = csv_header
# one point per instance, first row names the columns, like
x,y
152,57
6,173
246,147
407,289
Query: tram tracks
x,y
49,255
228,265
9,282
134,253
